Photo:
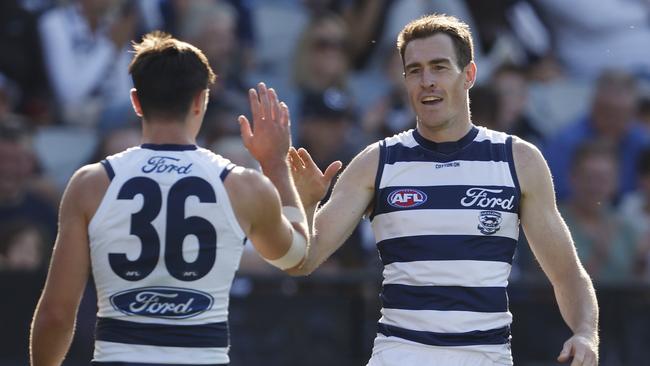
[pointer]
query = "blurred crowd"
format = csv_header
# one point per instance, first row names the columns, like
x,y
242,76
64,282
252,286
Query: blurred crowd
x,y
570,77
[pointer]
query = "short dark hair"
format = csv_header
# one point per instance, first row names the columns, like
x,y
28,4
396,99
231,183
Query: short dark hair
x,y
432,24
167,74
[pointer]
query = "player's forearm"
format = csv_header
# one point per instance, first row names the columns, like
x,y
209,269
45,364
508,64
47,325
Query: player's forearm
x,y
279,174
578,304
50,338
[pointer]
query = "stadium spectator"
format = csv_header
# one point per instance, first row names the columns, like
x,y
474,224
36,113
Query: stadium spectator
x,y
391,113
19,196
589,40
511,85
85,53
22,60
115,141
22,247
605,243
612,118
321,56
485,106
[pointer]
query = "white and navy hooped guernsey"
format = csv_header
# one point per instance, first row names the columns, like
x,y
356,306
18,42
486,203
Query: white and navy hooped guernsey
x,y
164,247
446,223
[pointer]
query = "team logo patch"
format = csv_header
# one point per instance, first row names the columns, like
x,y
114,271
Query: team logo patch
x,y
489,222
406,198
162,302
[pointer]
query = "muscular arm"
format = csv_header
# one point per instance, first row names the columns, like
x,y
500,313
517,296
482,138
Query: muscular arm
x,y
258,207
351,197
553,247
53,324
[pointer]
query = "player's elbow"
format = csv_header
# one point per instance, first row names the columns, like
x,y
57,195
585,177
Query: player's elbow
x,y
299,271
52,317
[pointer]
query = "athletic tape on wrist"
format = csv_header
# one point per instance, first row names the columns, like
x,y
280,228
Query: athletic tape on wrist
x,y
294,255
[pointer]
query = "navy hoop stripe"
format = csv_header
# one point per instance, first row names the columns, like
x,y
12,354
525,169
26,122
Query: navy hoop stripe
x,y
447,247
477,337
210,335
454,298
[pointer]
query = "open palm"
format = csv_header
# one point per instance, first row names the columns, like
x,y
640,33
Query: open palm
x,y
312,184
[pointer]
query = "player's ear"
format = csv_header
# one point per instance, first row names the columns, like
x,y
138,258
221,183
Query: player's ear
x,y
470,75
135,102
200,101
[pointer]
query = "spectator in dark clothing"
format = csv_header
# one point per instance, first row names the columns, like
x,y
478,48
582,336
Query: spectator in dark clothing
x,y
17,173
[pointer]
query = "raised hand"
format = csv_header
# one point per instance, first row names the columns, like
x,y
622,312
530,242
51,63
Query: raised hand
x,y
312,184
581,350
269,137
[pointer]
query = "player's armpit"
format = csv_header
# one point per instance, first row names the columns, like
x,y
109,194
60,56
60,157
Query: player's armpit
x,y
53,323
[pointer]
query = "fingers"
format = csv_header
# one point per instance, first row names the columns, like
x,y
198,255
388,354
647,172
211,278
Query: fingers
x,y
256,107
307,160
264,99
274,104
331,170
284,114
295,160
566,352
245,130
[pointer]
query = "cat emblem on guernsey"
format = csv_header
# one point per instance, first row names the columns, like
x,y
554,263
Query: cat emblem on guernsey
x,y
489,222
406,198
162,302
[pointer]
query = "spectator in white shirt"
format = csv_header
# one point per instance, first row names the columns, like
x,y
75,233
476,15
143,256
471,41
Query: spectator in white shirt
x,y
85,51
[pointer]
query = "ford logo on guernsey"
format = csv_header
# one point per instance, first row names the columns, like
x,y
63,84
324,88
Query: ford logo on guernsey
x,y
406,198
162,302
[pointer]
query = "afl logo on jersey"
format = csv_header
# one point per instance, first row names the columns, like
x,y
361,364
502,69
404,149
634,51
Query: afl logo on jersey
x,y
162,302
406,198
489,222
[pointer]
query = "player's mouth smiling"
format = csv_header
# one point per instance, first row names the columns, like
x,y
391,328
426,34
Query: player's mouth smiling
x,y
430,100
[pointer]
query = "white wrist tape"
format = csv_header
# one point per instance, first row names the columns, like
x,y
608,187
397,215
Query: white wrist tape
x,y
294,255
293,214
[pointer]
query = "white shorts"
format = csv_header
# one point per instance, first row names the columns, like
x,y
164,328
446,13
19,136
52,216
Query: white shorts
x,y
407,354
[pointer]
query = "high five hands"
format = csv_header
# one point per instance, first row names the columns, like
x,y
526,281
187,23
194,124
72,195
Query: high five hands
x,y
268,139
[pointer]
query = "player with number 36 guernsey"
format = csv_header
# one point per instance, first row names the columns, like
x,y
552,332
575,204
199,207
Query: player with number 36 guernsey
x,y
162,226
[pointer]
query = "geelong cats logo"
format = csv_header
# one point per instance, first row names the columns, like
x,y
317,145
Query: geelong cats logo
x,y
406,198
489,222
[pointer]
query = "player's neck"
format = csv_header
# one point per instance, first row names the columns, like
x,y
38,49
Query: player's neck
x,y
166,132
448,132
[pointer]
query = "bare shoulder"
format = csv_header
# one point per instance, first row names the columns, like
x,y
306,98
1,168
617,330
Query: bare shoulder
x,y
530,164
363,168
250,194
87,188
248,184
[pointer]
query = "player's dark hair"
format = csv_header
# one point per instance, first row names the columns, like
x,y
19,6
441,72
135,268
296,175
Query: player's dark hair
x,y
167,75
433,24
